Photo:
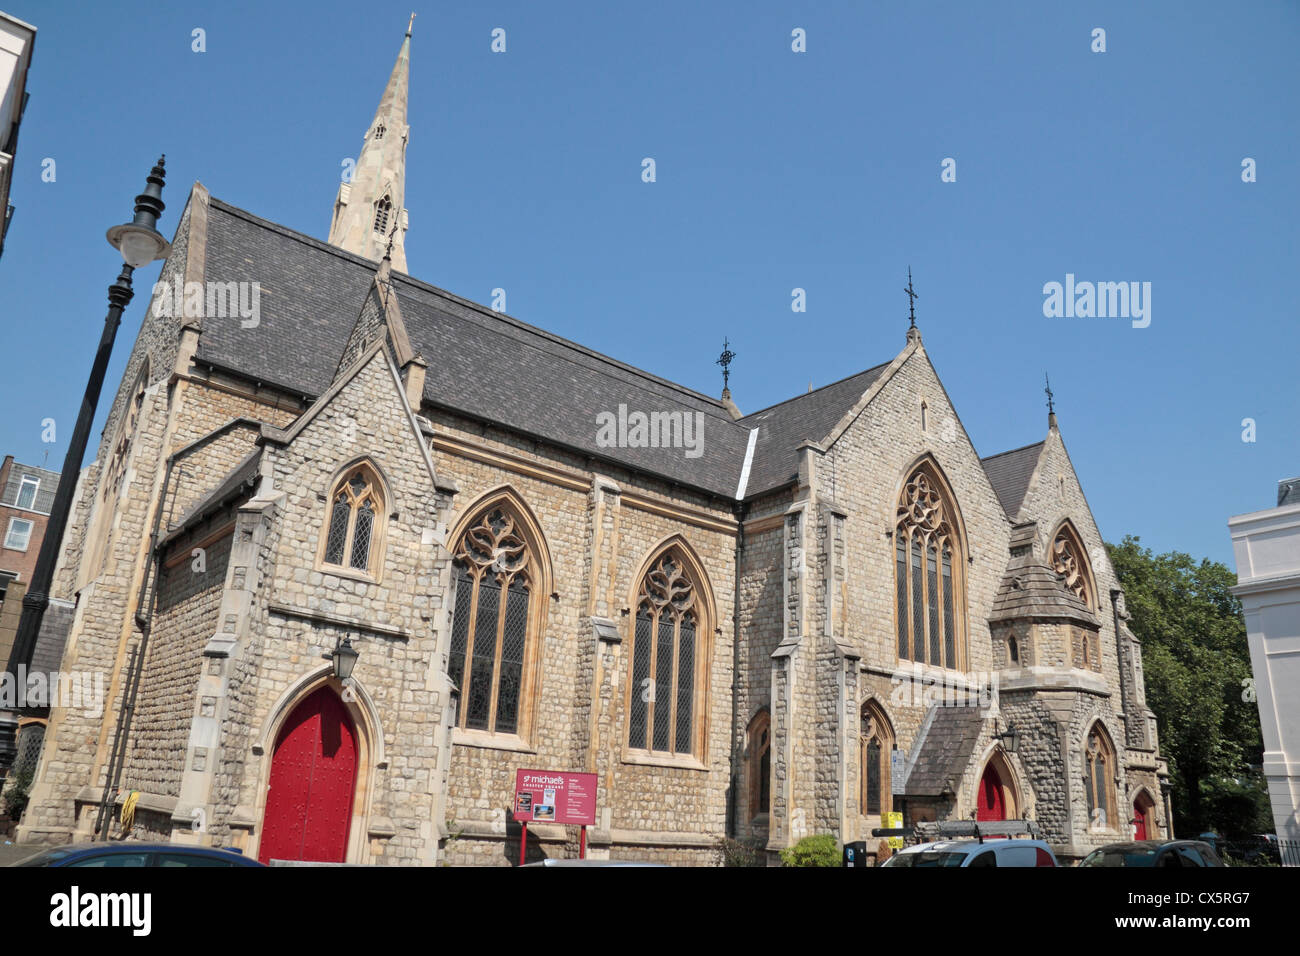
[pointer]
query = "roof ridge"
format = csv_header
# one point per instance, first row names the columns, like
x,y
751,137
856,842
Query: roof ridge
x,y
469,303
1014,450
819,388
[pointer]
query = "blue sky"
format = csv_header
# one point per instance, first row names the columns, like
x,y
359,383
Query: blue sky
x,y
775,170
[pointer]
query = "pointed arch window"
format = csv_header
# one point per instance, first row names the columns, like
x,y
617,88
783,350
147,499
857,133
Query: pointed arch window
x,y
379,132
493,625
927,575
1099,778
383,212
356,512
667,662
875,756
760,764
1070,562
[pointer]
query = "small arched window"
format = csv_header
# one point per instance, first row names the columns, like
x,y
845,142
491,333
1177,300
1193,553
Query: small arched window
x,y
668,661
383,211
760,764
1070,562
875,754
1099,778
927,574
356,509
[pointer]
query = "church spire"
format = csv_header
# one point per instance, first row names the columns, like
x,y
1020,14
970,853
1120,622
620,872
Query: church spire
x,y
370,210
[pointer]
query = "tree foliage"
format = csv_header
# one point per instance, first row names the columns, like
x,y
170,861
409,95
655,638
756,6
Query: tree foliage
x,y
1197,670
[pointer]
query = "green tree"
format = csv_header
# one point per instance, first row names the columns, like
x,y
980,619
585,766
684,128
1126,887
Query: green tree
x,y
1197,669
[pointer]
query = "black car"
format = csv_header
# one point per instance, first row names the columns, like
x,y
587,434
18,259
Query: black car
x,y
1150,853
137,854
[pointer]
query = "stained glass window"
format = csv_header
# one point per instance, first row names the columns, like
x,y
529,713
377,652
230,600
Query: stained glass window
x,y
1070,565
927,600
874,754
664,661
489,635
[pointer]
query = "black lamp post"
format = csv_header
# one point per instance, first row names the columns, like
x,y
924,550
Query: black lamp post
x,y
140,243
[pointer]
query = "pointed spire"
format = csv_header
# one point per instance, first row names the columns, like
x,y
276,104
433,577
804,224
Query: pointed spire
x,y
370,217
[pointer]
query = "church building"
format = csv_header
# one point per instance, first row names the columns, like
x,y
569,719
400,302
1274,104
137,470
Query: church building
x,y
802,620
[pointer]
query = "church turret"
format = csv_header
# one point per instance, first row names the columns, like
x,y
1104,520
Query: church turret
x,y
370,210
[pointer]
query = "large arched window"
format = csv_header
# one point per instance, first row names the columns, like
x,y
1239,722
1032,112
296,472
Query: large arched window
x,y
497,582
927,573
353,534
1070,562
1099,778
875,753
669,657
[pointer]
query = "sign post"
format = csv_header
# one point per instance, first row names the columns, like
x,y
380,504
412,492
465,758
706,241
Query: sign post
x,y
555,796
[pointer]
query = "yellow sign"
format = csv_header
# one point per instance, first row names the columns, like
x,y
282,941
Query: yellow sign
x,y
894,821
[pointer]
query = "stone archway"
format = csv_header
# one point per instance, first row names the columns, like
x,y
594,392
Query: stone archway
x,y
996,796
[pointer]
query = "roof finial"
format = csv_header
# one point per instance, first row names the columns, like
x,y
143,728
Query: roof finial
x,y
913,333
725,360
911,300
1051,405
411,24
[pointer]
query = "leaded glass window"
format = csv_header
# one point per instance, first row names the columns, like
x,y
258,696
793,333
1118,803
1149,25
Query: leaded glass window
x,y
1099,769
489,636
927,561
350,535
1070,565
662,717
875,753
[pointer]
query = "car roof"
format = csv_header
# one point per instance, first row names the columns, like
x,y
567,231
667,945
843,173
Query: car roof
x,y
953,846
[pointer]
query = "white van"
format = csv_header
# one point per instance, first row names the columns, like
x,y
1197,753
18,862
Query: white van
x,y
975,853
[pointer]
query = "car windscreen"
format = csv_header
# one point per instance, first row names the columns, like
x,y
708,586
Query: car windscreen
x,y
927,859
1128,856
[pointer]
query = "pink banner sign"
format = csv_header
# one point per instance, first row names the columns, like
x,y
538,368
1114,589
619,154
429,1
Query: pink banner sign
x,y
554,796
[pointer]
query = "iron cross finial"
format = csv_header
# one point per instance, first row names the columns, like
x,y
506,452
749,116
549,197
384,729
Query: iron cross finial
x,y
725,360
911,300
1051,408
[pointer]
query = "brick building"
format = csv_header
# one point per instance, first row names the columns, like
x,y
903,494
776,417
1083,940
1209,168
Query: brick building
x,y
547,558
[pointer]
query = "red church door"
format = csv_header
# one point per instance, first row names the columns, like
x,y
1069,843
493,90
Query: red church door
x,y
313,778
1141,808
992,804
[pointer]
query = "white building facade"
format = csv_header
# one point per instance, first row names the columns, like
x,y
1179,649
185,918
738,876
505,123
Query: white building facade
x,y
1266,545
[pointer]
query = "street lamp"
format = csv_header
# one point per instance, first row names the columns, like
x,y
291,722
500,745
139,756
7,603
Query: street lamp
x,y
345,658
1010,738
139,244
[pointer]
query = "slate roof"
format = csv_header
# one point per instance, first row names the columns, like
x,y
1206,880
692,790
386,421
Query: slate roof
x,y
1009,473
782,427
946,749
49,484
485,364
1032,591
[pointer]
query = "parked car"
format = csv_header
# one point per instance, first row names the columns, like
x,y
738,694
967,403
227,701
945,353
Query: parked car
x,y
137,854
945,853
1149,853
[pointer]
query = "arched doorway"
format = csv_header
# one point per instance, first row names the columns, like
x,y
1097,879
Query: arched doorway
x,y
313,779
1143,822
996,799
